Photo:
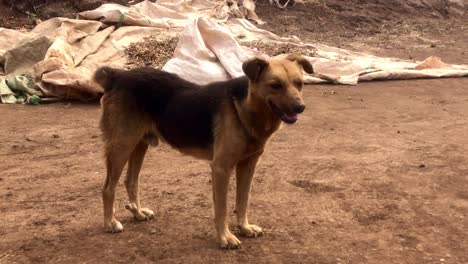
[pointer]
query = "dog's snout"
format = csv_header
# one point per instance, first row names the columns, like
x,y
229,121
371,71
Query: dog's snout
x,y
299,108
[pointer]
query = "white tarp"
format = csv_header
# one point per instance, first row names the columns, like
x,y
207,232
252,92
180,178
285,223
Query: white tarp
x,y
62,54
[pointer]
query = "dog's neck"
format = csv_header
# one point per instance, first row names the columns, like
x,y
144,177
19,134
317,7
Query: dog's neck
x,y
256,117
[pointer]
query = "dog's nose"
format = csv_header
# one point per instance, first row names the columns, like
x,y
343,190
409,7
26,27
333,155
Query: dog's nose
x,y
299,108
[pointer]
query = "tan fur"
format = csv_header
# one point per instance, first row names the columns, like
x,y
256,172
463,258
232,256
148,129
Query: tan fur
x,y
241,131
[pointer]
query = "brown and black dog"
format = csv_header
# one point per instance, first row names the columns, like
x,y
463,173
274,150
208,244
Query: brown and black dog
x,y
228,123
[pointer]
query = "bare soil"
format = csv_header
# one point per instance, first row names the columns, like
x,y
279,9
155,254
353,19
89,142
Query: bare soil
x,y
375,173
23,14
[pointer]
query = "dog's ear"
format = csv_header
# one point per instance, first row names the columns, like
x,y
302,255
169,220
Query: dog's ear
x,y
306,65
254,67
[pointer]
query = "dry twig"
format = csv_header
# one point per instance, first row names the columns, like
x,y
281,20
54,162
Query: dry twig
x,y
151,51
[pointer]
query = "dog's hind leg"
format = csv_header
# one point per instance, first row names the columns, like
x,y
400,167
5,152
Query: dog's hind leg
x,y
131,182
244,174
116,157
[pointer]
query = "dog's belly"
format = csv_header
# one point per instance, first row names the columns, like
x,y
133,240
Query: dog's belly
x,y
191,133
187,121
155,136
186,133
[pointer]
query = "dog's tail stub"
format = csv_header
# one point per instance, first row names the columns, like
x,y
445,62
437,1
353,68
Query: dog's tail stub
x,y
104,77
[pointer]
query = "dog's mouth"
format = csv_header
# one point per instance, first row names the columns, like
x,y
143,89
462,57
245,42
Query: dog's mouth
x,y
286,117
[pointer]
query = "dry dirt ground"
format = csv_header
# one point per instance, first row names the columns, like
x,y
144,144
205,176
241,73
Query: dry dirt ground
x,y
375,173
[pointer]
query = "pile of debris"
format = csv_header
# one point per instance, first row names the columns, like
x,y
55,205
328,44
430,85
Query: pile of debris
x,y
151,51
20,89
275,49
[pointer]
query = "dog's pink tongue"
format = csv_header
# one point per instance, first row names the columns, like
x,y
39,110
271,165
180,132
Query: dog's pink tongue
x,y
290,118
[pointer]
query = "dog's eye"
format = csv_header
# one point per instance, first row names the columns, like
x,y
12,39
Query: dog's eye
x,y
298,84
276,86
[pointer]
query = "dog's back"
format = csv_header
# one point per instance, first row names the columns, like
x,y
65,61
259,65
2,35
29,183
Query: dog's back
x,y
182,112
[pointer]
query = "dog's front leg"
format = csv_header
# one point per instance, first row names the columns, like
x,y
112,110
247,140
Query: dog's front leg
x,y
244,174
221,172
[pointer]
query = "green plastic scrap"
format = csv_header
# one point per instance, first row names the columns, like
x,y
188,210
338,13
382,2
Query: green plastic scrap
x,y
34,100
120,21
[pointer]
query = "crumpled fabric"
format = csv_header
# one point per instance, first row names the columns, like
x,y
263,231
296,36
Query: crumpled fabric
x,y
19,89
62,54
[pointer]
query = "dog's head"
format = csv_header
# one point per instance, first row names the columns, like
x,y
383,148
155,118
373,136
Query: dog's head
x,y
279,83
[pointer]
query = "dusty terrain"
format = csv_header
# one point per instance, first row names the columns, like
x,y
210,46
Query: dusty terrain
x,y
375,173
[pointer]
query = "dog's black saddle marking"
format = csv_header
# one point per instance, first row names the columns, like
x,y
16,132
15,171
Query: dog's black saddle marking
x,y
184,112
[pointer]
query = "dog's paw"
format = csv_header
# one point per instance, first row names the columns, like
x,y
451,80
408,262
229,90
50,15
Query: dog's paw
x,y
142,214
251,231
229,241
149,214
114,226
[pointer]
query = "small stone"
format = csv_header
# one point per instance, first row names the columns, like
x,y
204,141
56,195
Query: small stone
x,y
94,136
55,136
349,98
422,165
398,131
442,260
433,45
362,100
332,92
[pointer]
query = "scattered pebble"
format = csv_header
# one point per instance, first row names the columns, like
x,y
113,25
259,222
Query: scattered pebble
x,y
151,51
55,136
94,136
398,131
332,92
433,45
349,98
422,165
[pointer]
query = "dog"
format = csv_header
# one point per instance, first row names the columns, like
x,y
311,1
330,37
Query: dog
x,y
228,123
